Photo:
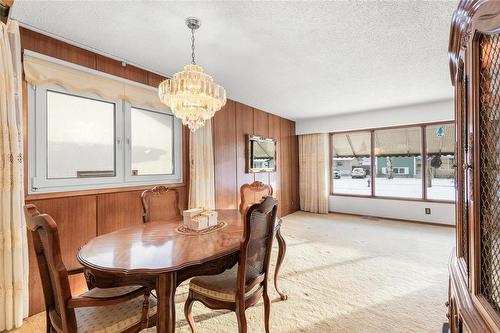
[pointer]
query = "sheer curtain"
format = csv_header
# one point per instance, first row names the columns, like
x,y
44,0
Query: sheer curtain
x,y
313,173
13,243
201,161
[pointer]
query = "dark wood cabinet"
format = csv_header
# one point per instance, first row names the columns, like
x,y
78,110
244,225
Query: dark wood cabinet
x,y
474,52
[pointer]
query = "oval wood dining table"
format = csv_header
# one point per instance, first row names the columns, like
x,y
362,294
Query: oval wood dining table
x,y
156,255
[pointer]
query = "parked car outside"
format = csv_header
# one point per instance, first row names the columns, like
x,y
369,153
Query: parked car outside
x,y
336,174
358,173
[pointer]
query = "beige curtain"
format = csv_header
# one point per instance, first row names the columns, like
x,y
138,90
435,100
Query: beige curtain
x,y
201,160
13,244
313,173
40,69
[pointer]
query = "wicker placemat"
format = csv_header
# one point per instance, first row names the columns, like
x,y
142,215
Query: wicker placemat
x,y
186,231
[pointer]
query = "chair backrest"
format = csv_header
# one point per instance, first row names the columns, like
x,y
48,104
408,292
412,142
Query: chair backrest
x,y
253,193
53,273
160,203
255,250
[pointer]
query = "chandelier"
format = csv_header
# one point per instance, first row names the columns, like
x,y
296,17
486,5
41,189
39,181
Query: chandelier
x,y
191,94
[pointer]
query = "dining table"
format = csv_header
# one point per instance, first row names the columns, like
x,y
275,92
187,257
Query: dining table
x,y
157,255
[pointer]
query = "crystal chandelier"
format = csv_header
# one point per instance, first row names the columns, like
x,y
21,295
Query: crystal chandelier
x,y
192,95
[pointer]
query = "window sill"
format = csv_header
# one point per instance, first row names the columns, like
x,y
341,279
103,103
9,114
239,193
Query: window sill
x,y
53,195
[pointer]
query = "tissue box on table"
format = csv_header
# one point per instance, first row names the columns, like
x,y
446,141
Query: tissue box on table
x,y
190,213
199,222
212,217
188,216
199,219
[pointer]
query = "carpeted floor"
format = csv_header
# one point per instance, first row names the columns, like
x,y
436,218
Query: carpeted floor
x,y
345,274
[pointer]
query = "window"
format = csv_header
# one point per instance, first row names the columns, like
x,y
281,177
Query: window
x,y
81,141
351,161
80,137
440,140
396,170
151,154
398,152
403,158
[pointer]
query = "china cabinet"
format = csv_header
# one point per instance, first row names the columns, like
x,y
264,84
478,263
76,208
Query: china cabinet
x,y
474,54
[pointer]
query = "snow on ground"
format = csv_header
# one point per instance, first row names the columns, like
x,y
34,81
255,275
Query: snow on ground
x,y
441,189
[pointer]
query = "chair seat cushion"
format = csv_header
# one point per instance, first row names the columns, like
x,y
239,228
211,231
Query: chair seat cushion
x,y
221,287
110,292
112,318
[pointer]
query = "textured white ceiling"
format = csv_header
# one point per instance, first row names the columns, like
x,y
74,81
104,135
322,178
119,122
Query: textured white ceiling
x,y
294,59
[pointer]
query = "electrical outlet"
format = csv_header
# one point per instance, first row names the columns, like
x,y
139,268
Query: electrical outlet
x,y
428,211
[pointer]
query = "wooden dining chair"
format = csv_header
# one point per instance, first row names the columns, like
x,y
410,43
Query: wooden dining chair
x,y
157,203
253,193
119,309
242,286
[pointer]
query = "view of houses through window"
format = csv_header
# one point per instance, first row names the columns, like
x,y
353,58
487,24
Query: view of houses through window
x,y
396,150
351,163
440,178
397,156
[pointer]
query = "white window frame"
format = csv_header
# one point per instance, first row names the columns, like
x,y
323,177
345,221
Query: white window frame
x,y
38,182
176,175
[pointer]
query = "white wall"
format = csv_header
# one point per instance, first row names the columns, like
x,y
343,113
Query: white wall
x,y
443,213
412,114
397,209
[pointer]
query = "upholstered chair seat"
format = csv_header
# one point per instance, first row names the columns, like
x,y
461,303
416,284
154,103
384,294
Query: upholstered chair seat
x,y
254,193
127,309
242,286
112,318
222,287
110,292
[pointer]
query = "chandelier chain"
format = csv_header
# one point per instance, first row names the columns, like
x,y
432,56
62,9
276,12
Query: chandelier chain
x,y
192,47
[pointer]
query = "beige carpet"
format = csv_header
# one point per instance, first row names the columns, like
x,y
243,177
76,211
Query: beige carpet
x,y
345,274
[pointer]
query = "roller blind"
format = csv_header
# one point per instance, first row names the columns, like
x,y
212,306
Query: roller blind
x,y
40,69
404,141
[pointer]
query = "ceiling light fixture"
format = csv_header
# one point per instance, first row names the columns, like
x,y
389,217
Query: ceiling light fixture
x,y
192,95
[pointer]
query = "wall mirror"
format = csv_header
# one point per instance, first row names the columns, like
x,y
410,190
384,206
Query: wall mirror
x,y
261,154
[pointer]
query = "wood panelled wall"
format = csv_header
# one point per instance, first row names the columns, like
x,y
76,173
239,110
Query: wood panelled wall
x,y
231,125
85,214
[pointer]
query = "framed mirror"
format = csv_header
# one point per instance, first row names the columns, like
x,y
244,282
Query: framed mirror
x,y
261,154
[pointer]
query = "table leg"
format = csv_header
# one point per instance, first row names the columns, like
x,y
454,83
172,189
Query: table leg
x,y
165,291
281,256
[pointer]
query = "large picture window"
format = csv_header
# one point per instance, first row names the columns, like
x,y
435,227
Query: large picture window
x,y
440,176
398,162
81,141
414,162
351,163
